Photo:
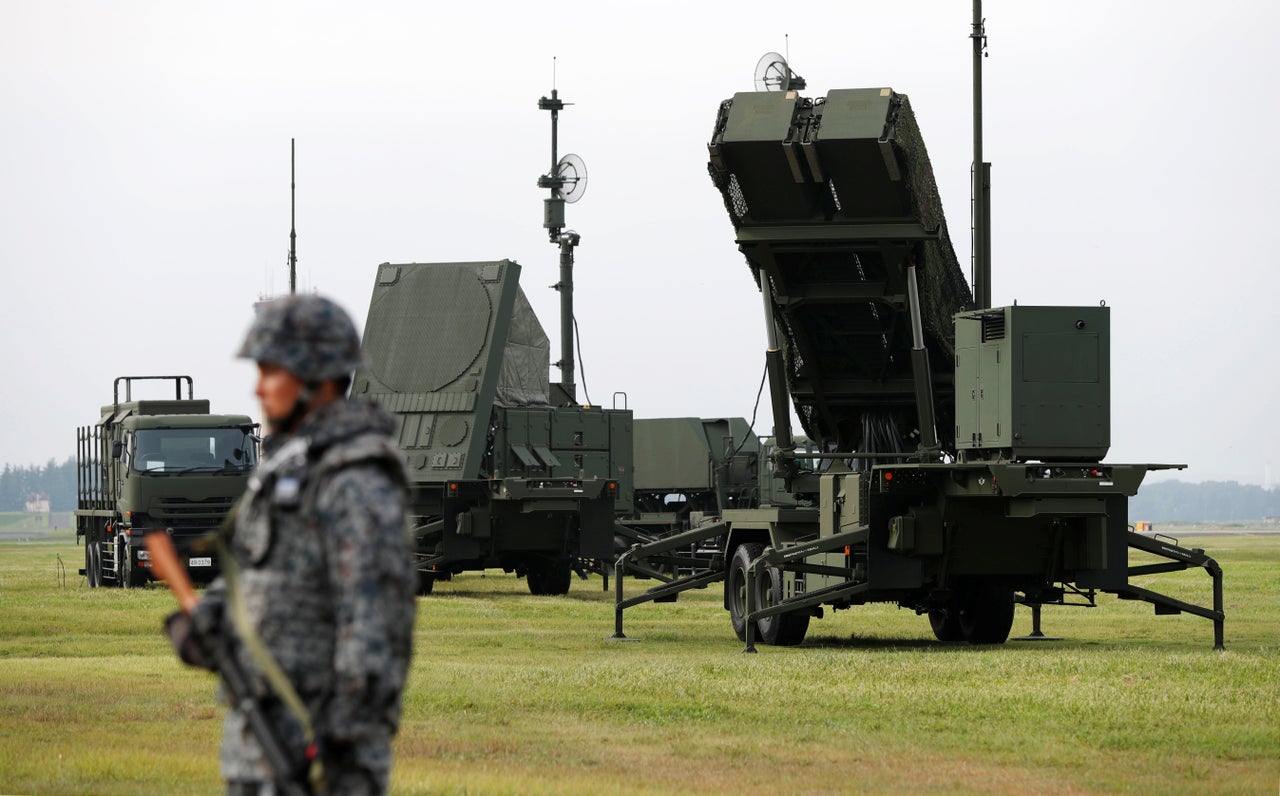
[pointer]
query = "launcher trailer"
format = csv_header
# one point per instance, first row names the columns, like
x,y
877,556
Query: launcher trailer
x,y
959,454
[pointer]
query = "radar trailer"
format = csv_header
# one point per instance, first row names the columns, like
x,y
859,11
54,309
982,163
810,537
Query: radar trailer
x,y
506,470
957,464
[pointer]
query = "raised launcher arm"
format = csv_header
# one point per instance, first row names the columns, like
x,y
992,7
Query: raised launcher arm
x,y
832,201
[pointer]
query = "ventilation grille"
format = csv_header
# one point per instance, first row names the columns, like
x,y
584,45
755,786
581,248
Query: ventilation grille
x,y
993,326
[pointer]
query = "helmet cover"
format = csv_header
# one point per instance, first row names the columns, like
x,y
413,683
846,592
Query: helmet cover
x,y
310,336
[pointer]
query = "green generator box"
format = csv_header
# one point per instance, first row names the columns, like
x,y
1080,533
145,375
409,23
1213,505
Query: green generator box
x,y
1033,383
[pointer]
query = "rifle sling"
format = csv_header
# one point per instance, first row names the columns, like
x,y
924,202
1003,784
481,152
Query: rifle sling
x,y
275,677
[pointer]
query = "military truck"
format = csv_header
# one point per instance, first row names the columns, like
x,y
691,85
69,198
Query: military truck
x,y
507,470
959,465
157,466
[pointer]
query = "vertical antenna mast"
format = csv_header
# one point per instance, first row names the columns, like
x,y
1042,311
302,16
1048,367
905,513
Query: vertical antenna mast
x,y
981,175
293,234
566,180
553,208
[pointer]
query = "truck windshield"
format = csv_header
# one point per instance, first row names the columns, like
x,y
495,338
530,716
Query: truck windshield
x,y
178,450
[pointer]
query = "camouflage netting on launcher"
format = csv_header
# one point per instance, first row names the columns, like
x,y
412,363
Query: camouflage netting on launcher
x,y
943,289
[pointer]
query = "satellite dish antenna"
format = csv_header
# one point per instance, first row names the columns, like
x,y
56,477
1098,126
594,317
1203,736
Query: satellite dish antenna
x,y
571,173
773,74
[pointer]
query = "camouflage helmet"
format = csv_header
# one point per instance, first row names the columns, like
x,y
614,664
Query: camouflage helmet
x,y
309,336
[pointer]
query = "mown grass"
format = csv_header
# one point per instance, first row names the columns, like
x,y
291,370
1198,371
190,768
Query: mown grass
x,y
514,694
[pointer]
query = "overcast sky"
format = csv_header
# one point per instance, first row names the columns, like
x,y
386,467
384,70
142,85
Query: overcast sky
x,y
144,186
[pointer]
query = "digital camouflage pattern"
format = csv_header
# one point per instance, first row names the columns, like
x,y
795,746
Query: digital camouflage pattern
x,y
309,336
327,581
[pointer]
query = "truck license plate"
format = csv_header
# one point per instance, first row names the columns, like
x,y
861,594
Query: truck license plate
x,y
200,562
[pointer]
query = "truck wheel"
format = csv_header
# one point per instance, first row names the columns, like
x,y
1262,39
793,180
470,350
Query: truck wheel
x,y
986,616
138,576
95,570
780,630
88,563
735,586
124,567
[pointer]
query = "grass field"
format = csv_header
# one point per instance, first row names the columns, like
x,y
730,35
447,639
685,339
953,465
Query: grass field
x,y
515,694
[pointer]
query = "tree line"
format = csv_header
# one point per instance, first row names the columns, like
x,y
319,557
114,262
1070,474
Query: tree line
x,y
1211,501
55,481
1165,501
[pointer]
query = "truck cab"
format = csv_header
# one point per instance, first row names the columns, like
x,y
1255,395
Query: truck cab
x,y
158,466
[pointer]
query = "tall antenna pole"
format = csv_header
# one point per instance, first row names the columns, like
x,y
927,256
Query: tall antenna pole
x,y
981,176
553,208
567,240
293,234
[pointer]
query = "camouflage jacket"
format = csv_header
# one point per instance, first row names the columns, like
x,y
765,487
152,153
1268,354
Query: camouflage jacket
x,y
327,582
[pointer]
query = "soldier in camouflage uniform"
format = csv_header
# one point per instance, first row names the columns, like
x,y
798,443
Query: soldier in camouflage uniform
x,y
321,550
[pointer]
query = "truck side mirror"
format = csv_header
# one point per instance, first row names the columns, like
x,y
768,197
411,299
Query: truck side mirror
x,y
117,449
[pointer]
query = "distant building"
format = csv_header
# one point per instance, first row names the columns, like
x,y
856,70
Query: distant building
x,y
37,504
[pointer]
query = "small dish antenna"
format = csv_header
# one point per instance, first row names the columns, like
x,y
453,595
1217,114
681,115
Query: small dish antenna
x,y
773,74
571,176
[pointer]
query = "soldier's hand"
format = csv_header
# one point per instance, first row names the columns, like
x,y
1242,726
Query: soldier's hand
x,y
188,642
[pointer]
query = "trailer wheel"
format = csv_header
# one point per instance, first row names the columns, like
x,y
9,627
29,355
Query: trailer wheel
x,y
559,576
986,616
780,630
735,586
426,582
549,576
945,622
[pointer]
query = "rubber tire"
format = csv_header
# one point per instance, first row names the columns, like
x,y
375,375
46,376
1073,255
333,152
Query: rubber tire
x,y
124,567
559,576
549,576
93,564
780,630
735,587
986,616
426,582
88,563
945,622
